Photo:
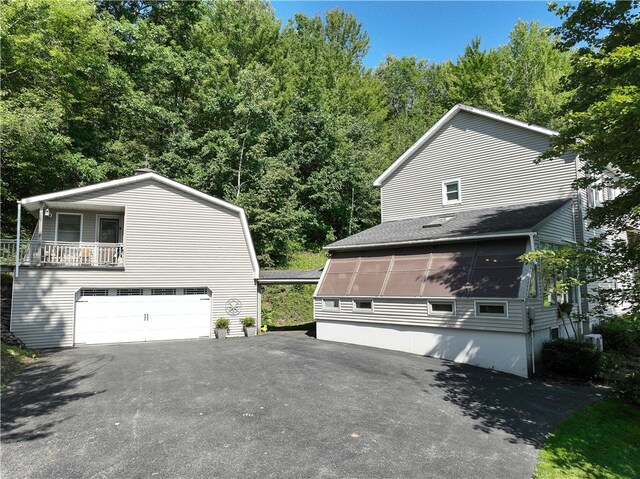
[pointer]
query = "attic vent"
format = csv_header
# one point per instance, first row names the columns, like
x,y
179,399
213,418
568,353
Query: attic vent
x,y
438,221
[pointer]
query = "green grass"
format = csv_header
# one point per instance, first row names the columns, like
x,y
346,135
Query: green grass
x,y
13,360
292,305
601,441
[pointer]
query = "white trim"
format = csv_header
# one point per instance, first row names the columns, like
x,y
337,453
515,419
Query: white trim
x,y
445,200
287,281
113,217
431,312
362,310
448,116
477,303
58,213
429,241
166,181
324,271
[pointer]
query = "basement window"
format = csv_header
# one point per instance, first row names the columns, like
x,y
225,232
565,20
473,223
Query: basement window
x,y
331,304
441,307
554,333
363,305
491,309
451,192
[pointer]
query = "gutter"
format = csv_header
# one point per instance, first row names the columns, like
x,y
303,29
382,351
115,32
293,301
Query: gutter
x,y
429,241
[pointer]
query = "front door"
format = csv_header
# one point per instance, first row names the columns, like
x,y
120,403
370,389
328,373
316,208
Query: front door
x,y
109,230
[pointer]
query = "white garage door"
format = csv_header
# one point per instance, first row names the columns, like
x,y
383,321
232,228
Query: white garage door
x,y
127,315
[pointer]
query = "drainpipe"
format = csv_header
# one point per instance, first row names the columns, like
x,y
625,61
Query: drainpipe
x,y
18,240
531,314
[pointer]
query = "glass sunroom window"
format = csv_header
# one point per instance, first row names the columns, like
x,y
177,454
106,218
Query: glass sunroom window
x,y
69,228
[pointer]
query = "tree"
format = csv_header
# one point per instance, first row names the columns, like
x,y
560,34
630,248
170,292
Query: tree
x,y
601,124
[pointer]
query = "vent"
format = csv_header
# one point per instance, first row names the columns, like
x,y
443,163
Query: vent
x,y
94,292
195,290
142,171
129,292
438,221
163,292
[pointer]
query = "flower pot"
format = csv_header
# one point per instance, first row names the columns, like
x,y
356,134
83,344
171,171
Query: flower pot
x,y
221,333
250,331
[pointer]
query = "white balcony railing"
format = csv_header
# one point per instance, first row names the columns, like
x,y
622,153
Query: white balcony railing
x,y
56,253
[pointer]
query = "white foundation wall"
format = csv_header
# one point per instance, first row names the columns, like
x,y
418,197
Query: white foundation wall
x,y
505,352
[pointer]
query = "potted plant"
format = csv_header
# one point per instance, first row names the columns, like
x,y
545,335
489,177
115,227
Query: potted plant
x,y
222,326
249,325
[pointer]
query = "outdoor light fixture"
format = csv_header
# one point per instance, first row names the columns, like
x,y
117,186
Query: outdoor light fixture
x,y
47,213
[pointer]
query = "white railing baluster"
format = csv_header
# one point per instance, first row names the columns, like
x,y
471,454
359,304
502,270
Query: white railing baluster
x,y
52,253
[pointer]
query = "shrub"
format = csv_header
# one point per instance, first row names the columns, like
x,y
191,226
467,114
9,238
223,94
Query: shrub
x,y
222,323
629,387
571,357
620,334
248,322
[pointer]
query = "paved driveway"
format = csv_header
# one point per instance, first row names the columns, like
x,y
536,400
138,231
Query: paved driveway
x,y
281,405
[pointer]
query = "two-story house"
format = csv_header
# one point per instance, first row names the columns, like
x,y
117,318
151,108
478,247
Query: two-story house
x,y
440,275
136,259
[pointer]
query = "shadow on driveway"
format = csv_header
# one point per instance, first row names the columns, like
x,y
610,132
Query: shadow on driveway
x,y
39,391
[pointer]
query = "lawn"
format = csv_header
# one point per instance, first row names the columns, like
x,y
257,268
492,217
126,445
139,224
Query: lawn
x,y
13,360
601,441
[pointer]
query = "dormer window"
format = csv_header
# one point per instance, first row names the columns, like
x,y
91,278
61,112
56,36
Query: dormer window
x,y
451,192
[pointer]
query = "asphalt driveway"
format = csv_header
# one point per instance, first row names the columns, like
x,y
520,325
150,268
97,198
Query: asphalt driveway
x,y
282,405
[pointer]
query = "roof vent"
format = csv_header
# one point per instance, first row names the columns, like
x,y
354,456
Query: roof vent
x,y
437,221
142,171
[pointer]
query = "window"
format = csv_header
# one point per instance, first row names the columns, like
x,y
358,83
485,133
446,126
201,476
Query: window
x,y
451,192
551,279
441,307
94,292
330,304
69,227
491,309
195,291
554,333
362,305
163,292
129,292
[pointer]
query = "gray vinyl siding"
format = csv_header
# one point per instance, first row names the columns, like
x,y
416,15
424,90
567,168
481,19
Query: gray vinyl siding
x,y
559,227
494,162
413,312
89,224
171,239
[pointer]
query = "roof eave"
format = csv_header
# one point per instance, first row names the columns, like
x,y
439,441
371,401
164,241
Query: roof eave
x,y
511,234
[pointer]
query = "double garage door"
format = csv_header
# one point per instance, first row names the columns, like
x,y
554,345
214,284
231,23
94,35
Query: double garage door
x,y
128,315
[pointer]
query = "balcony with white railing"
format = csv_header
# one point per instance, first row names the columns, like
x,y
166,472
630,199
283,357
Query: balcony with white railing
x,y
62,254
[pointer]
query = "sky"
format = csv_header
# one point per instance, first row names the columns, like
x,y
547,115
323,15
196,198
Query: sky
x,y
433,30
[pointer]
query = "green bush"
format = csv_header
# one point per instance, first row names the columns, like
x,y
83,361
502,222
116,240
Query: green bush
x,y
629,387
222,323
571,357
620,334
248,322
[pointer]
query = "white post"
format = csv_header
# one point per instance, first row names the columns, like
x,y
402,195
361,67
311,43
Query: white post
x,y
18,239
259,311
40,226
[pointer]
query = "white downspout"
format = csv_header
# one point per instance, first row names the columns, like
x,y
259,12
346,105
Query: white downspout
x,y
17,274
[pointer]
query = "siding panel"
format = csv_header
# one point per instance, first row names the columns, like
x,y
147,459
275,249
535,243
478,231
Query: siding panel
x,y
494,161
171,239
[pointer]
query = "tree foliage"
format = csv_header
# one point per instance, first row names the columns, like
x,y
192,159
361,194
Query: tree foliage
x,y
283,120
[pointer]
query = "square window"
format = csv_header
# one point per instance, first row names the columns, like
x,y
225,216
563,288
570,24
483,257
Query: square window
x,y
363,305
451,192
554,333
69,227
331,304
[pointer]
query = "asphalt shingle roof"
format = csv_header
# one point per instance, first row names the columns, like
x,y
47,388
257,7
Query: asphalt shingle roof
x,y
488,221
285,275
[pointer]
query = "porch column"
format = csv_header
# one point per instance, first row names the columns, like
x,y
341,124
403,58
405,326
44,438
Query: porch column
x,y
40,222
17,270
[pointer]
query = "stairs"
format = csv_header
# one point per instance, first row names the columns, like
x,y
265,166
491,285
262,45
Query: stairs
x,y
235,328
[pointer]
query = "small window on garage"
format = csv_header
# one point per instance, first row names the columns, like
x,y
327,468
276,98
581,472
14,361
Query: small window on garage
x,y
195,291
451,192
163,292
94,292
129,292
364,305
491,309
554,333
332,304
442,307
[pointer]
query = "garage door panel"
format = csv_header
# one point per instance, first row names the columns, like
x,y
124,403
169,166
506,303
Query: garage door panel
x,y
115,319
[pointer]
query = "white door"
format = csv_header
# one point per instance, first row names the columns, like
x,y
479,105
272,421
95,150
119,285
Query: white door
x,y
117,319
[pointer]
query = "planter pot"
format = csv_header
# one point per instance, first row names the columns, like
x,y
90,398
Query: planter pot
x,y
221,333
250,331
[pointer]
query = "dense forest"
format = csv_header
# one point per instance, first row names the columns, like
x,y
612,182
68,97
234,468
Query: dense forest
x,y
281,119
